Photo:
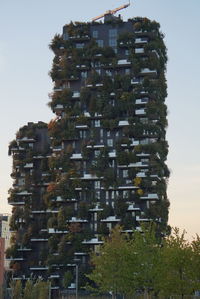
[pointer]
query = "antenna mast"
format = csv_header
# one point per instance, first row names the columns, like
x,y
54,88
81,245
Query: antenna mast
x,y
112,12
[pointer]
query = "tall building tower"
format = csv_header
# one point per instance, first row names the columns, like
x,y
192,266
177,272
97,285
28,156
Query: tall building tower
x,y
30,151
108,137
108,149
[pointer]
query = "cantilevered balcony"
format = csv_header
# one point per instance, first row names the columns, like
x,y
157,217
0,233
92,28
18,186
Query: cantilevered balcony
x,y
140,112
56,231
39,268
139,50
77,220
141,40
123,62
147,71
142,101
150,196
93,241
110,219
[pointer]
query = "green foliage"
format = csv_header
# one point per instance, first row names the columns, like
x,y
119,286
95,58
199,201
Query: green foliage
x,y
145,263
67,279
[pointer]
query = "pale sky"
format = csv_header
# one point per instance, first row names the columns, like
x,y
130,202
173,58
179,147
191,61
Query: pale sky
x,y
26,29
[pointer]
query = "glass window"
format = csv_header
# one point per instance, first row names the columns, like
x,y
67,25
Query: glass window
x,y
95,34
96,153
84,75
126,52
113,33
100,43
112,42
97,123
65,36
127,71
101,133
97,184
125,173
79,46
110,142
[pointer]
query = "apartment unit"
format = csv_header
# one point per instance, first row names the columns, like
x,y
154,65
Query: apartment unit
x,y
102,161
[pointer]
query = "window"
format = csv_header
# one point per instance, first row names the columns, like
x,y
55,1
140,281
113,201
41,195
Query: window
x,y
125,173
98,71
126,52
84,75
108,133
97,123
108,73
65,36
97,184
110,142
96,153
127,71
125,194
100,43
83,134
112,42
101,133
95,34
144,120
79,46
112,194
113,33
97,194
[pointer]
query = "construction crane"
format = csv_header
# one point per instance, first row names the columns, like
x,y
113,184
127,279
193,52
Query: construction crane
x,y
112,12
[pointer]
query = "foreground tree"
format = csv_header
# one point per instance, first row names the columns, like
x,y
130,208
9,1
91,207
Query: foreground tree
x,y
111,264
177,268
126,265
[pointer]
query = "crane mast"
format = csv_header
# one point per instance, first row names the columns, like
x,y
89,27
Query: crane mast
x,y
112,12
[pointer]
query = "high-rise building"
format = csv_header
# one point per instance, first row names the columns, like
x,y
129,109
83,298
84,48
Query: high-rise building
x,y
5,237
108,149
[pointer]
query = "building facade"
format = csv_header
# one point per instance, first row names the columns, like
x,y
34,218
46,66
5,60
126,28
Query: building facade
x,y
106,163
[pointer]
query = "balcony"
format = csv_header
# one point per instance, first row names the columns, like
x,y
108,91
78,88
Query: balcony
x,y
111,219
133,208
147,71
39,240
89,177
136,81
28,165
76,95
96,209
56,231
142,219
140,112
150,196
123,123
141,101
93,241
123,62
138,164
139,50
24,193
141,40
82,127
76,220
26,139
141,175
127,187
39,268
16,203
24,249
15,259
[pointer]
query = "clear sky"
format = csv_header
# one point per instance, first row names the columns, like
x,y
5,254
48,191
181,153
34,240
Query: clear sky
x,y
26,29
